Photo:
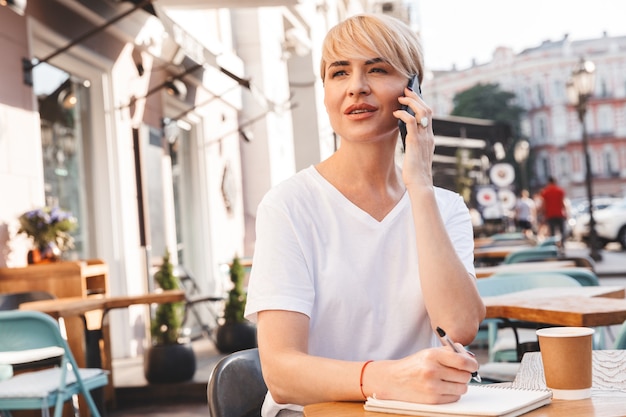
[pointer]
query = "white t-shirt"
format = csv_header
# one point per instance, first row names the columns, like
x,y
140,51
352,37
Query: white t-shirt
x,y
356,278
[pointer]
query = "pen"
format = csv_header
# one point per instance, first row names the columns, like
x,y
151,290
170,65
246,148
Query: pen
x,y
445,339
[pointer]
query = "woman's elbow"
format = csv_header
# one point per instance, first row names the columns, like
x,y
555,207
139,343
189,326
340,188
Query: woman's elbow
x,y
474,324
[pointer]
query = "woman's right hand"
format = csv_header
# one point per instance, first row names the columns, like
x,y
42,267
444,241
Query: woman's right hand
x,y
430,376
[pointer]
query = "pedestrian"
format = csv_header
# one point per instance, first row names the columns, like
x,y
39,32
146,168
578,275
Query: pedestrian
x,y
525,214
358,259
554,210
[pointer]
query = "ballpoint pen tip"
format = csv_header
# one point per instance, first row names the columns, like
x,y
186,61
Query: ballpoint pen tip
x,y
440,332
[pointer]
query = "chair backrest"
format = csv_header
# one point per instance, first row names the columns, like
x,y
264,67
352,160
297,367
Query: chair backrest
x,y
38,357
508,236
549,241
620,339
236,387
585,277
24,330
532,254
506,283
581,261
12,300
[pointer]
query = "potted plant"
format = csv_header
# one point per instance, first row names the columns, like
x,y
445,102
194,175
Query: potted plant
x,y
170,358
49,228
235,332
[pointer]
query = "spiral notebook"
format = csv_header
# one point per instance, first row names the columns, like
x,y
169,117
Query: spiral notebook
x,y
480,400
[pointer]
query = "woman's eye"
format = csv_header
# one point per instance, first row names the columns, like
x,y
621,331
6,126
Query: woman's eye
x,y
380,70
338,73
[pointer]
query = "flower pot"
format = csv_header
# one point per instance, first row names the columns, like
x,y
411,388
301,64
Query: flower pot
x,y
235,336
47,253
173,363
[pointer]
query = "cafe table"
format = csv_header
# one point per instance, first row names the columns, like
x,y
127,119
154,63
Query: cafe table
x,y
498,252
487,271
61,308
608,392
562,306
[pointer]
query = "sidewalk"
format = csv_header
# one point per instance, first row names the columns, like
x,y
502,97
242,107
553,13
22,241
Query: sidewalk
x,y
136,398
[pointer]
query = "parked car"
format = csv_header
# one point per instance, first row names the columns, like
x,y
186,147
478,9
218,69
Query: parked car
x,y
610,224
579,214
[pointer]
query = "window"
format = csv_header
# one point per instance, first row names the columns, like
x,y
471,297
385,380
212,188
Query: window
x,y
603,88
611,162
605,119
65,127
540,96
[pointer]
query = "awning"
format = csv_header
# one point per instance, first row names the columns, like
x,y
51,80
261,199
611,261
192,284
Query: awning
x,y
185,45
219,4
18,6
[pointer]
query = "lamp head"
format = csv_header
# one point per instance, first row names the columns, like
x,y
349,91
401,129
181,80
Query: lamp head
x,y
176,88
583,77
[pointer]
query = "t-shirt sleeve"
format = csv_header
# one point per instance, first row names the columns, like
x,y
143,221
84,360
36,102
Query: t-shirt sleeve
x,y
280,278
458,222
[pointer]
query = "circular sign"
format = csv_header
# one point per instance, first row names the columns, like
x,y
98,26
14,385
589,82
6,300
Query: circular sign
x,y
507,199
502,174
486,196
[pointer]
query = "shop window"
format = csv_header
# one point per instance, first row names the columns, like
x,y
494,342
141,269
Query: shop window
x,y
64,129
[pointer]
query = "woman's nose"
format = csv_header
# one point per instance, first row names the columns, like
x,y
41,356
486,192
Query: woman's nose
x,y
358,85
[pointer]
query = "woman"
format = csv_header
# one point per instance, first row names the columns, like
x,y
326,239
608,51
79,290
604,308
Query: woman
x,y
357,260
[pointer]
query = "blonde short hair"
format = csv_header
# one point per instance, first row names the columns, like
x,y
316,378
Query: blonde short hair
x,y
367,36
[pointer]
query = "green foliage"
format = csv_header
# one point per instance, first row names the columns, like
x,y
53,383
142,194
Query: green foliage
x,y
488,101
168,318
236,302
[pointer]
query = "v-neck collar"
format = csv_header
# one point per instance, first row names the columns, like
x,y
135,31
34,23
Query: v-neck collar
x,y
352,208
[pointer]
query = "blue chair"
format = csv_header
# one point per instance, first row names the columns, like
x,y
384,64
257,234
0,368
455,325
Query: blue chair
x,y
537,253
508,236
620,339
549,241
24,331
504,350
32,358
585,277
580,261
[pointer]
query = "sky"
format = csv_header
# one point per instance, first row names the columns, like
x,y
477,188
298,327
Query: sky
x,y
456,31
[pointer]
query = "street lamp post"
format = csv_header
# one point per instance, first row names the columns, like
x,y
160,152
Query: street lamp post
x,y
520,153
579,90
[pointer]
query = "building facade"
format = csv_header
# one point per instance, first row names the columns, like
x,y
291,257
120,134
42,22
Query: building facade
x,y
538,78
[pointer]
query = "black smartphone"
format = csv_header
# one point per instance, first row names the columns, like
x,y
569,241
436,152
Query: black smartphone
x,y
413,81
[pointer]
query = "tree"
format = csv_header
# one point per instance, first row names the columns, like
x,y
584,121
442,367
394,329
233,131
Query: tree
x,y
488,101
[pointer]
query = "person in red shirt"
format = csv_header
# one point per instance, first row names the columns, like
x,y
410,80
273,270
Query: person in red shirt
x,y
553,207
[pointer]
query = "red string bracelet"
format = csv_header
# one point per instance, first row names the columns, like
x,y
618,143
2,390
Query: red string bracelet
x,y
361,378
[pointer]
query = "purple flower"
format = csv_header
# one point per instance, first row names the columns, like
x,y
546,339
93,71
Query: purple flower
x,y
49,225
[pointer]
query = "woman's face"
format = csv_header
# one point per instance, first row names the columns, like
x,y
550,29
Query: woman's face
x,y
360,97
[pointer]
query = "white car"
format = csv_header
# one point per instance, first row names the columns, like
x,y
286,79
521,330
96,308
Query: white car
x,y
610,224
579,214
